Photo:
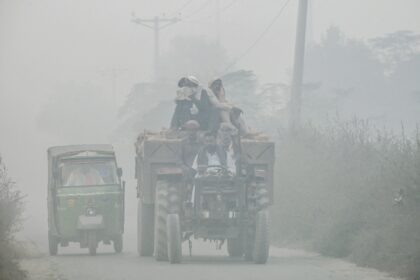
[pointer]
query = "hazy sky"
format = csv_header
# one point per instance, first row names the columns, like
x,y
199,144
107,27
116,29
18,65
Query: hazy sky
x,y
47,42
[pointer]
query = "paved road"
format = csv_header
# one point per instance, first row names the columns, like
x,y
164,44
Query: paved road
x,y
74,263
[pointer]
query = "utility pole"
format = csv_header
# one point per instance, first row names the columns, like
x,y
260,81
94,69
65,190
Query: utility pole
x,y
296,89
158,23
218,23
113,74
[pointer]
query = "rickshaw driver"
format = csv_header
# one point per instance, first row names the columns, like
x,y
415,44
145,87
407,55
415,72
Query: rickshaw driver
x,y
84,175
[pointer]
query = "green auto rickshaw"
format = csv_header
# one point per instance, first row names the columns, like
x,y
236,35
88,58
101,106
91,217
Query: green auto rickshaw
x,y
85,197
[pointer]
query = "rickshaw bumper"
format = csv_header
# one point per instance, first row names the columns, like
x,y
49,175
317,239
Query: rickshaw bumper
x,y
90,222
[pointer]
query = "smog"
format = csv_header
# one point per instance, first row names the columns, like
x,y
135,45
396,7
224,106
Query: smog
x,y
209,139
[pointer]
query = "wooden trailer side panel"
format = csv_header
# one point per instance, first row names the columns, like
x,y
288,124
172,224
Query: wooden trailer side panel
x,y
152,155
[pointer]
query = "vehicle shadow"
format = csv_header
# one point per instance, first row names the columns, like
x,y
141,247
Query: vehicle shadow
x,y
86,254
220,260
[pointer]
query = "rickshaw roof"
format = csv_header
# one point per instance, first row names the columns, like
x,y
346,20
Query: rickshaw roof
x,y
59,151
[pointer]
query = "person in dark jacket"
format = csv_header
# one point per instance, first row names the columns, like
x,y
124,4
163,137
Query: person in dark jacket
x,y
185,110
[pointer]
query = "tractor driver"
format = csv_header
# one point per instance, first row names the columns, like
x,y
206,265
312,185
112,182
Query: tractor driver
x,y
211,156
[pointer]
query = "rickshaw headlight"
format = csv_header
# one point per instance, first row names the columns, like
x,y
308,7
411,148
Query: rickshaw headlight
x,y
90,211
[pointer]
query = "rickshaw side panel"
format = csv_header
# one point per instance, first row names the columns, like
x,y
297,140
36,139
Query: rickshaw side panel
x,y
51,197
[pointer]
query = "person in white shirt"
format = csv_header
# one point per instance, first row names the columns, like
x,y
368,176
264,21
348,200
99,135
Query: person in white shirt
x,y
212,156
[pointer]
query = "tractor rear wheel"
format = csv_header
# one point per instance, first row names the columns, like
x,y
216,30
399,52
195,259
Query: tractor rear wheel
x,y
145,229
173,229
161,213
262,239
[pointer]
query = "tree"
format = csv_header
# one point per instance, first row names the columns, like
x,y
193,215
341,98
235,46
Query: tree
x,y
394,48
78,113
351,80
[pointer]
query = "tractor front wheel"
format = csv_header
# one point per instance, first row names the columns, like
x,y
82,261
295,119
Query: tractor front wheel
x,y
173,230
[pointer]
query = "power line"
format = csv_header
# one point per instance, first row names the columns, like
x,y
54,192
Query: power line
x,y
222,10
227,6
259,37
202,7
181,8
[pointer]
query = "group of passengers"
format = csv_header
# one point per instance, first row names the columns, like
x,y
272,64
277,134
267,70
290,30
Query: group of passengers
x,y
208,106
208,111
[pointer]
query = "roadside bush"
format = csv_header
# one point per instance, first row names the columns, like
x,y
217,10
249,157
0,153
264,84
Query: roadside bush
x,y
10,212
351,191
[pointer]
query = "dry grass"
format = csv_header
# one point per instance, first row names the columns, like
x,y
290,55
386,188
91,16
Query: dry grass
x,y
338,194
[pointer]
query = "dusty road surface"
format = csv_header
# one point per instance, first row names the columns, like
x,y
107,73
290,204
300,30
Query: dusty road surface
x,y
207,263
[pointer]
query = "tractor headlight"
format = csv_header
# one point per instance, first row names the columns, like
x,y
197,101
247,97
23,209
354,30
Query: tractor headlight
x,y
90,211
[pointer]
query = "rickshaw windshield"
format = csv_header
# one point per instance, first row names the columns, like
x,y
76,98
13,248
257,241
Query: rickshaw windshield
x,y
88,173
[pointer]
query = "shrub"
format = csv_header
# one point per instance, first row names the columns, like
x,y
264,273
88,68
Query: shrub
x,y
10,212
349,190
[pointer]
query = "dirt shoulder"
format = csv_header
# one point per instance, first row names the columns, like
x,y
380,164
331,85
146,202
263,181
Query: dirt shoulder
x,y
38,265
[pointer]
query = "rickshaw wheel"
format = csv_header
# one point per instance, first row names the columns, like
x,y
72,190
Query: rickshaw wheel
x,y
118,244
92,243
52,244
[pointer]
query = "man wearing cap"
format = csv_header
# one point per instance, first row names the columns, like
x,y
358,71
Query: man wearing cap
x,y
207,103
185,109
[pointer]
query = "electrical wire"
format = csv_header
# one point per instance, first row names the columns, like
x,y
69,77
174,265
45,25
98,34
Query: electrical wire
x,y
222,10
227,6
263,33
181,8
202,7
